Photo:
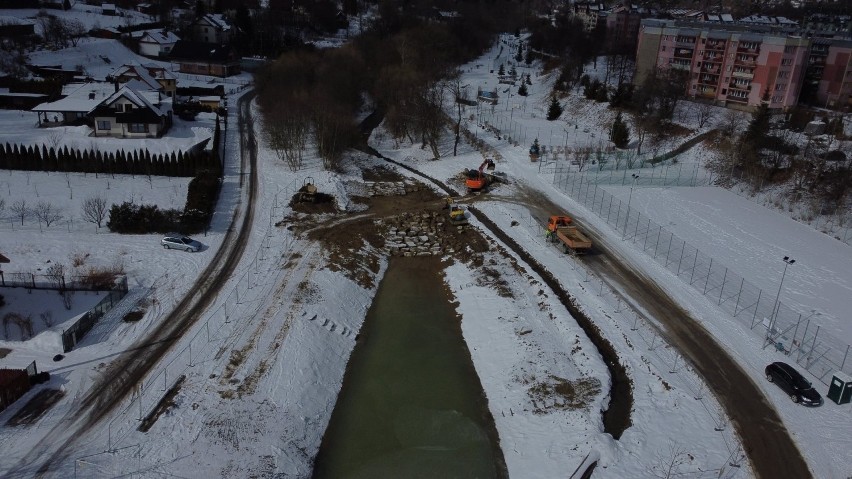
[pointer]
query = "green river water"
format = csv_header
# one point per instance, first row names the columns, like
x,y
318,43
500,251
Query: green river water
x,y
411,405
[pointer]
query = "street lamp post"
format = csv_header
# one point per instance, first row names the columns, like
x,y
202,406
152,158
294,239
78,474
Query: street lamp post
x,y
629,199
787,262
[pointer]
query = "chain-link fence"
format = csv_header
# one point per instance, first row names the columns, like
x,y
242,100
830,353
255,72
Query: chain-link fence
x,y
787,330
675,370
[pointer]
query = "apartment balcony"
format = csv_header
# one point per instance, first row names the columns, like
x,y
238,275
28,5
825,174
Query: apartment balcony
x,y
739,87
683,53
745,63
747,75
715,45
738,99
709,94
712,57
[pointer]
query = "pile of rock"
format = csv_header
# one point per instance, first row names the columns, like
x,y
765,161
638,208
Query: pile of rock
x,y
390,188
421,234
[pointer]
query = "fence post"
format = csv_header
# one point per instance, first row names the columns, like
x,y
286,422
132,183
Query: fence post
x,y
756,307
647,234
709,271
793,339
659,233
682,249
813,345
694,262
738,294
804,337
844,358
636,230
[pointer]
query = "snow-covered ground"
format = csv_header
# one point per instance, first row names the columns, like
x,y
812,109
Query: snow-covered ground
x,y
266,415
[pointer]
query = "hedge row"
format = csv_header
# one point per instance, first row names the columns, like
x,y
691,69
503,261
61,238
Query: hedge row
x,y
130,218
140,162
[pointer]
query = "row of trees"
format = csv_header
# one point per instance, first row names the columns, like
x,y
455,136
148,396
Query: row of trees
x,y
139,162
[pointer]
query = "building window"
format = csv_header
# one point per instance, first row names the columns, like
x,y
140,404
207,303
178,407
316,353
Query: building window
x,y
104,125
786,62
137,127
789,49
663,48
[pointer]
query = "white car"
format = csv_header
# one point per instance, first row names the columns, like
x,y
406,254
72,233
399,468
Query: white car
x,y
181,242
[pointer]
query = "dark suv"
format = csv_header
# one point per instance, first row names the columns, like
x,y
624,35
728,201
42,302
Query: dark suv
x,y
793,383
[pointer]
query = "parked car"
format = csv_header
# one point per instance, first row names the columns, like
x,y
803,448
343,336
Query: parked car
x,y
793,383
181,242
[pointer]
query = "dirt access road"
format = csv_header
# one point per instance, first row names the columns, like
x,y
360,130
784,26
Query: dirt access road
x,y
766,441
125,372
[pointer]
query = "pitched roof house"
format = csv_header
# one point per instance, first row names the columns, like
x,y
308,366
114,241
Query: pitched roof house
x,y
157,43
130,113
211,28
153,76
205,59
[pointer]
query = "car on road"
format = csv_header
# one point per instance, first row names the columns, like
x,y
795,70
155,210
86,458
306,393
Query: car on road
x,y
793,383
184,243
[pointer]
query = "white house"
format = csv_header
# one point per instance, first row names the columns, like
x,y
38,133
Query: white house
x,y
157,43
130,113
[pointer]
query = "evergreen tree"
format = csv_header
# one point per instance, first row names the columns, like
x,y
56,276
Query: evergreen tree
x,y
512,71
529,58
758,127
555,109
520,55
529,82
522,90
619,134
501,71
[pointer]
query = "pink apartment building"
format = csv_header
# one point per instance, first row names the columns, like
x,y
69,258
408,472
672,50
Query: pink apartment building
x,y
830,68
731,65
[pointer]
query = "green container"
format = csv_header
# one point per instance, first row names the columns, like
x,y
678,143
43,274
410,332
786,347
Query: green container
x,y
840,389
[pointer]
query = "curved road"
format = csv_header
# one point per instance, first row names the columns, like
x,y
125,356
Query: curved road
x,y
765,439
125,372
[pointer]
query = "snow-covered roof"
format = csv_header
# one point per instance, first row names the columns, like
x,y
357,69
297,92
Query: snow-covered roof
x,y
79,97
136,97
159,37
139,73
215,20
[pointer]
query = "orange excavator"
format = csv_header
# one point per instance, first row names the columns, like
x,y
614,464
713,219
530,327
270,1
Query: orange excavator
x,y
477,180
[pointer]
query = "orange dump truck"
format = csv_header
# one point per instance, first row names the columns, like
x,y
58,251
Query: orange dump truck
x,y
559,228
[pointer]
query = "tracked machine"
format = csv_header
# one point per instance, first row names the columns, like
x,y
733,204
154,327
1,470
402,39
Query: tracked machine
x,y
477,180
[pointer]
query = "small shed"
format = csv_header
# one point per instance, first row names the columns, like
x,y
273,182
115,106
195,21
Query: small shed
x,y
14,383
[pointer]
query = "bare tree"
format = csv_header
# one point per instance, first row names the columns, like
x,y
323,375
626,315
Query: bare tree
x,y
55,138
669,464
47,213
732,122
56,273
703,114
21,210
95,210
2,206
75,30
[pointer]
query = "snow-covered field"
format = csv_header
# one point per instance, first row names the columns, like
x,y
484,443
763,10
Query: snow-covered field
x,y
232,421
